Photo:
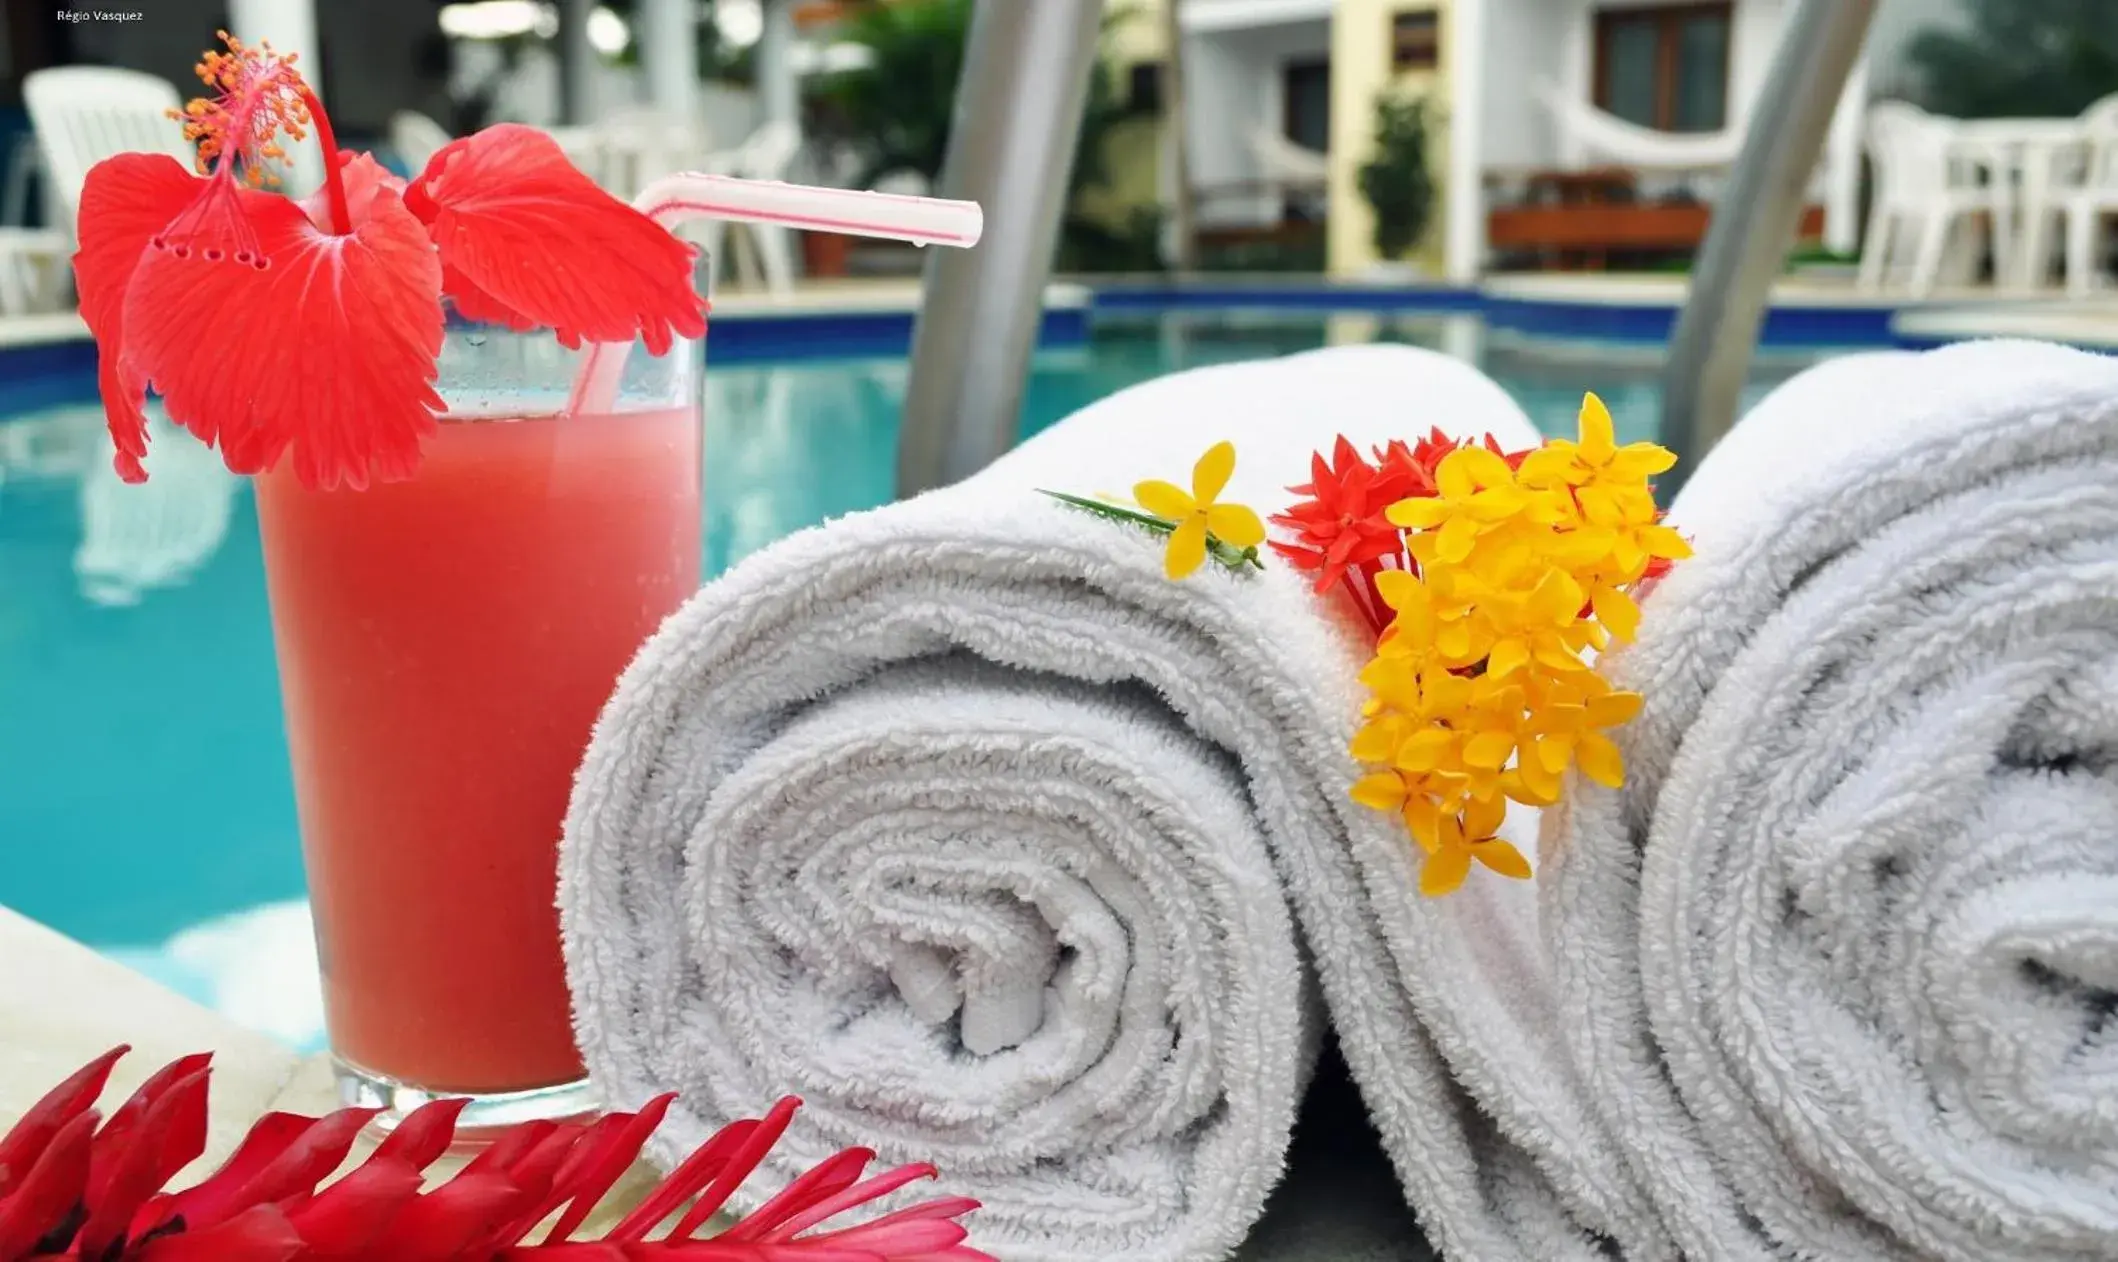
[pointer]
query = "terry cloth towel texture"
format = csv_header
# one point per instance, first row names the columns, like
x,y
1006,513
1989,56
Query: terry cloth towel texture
x,y
1839,964
963,821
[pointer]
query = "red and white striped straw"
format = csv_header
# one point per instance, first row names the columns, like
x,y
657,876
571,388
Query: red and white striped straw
x,y
693,195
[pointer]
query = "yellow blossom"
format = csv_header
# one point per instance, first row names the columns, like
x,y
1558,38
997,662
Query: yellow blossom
x,y
1479,692
1423,802
1430,619
1564,728
1197,515
1474,489
1541,624
1594,458
1467,837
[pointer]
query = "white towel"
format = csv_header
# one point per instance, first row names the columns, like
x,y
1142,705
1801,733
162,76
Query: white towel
x,y
1840,962
962,820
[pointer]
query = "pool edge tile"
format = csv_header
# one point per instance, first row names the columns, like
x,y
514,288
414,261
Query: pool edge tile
x,y
62,1005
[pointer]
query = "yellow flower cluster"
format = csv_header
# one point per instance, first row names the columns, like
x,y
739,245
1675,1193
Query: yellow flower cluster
x,y
1479,693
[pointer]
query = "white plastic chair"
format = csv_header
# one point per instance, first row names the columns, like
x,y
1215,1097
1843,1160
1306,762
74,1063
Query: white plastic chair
x,y
84,114
416,138
2097,196
1924,186
637,146
766,155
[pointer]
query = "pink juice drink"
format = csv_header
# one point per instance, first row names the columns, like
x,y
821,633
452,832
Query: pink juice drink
x,y
445,644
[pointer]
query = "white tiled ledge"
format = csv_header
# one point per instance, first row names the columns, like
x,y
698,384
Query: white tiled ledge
x,y
62,1005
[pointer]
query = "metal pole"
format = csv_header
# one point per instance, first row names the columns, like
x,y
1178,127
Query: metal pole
x,y
1018,114
778,88
667,32
577,62
1753,226
1176,128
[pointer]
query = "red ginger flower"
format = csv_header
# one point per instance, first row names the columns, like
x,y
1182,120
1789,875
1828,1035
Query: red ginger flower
x,y
273,328
1341,525
1419,462
71,1189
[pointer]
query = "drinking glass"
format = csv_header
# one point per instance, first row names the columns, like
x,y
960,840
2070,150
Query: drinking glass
x,y
445,644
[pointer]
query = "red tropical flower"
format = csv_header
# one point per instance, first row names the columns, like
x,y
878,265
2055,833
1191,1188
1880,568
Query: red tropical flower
x,y
71,1188
275,328
1418,462
1340,526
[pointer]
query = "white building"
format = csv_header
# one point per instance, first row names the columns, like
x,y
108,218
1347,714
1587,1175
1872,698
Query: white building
x,y
1519,87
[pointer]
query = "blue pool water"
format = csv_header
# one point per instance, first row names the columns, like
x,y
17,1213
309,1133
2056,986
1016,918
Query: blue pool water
x,y
144,787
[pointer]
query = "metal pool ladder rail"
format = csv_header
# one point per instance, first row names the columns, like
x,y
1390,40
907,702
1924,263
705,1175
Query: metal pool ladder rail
x,y
1018,112
1753,225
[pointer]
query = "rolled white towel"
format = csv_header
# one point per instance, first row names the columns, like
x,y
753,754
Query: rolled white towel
x,y
965,822
1840,961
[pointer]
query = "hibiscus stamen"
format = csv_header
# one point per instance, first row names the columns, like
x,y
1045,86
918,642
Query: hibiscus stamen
x,y
259,99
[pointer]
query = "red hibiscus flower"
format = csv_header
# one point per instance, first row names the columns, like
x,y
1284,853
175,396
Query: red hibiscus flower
x,y
309,330
74,1186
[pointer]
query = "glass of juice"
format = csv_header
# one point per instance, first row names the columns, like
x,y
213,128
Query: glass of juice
x,y
445,644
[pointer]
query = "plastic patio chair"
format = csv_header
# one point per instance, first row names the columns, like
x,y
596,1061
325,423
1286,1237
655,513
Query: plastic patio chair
x,y
84,114
2097,196
415,138
1924,187
766,155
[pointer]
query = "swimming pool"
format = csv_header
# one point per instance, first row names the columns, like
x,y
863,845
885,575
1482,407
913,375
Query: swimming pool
x,y
144,789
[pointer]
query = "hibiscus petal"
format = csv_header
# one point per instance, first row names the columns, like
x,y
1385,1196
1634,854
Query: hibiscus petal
x,y
125,201
520,228
328,351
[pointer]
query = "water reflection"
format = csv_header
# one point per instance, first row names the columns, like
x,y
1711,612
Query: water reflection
x,y
133,539
136,538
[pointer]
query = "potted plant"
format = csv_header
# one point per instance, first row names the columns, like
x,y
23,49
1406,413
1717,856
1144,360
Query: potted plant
x,y
1396,181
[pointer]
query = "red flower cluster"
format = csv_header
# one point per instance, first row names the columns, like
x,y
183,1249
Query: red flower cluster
x,y
73,1185
1340,533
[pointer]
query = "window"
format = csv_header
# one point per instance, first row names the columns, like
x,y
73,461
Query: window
x,y
1664,67
1306,92
1415,39
1143,88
